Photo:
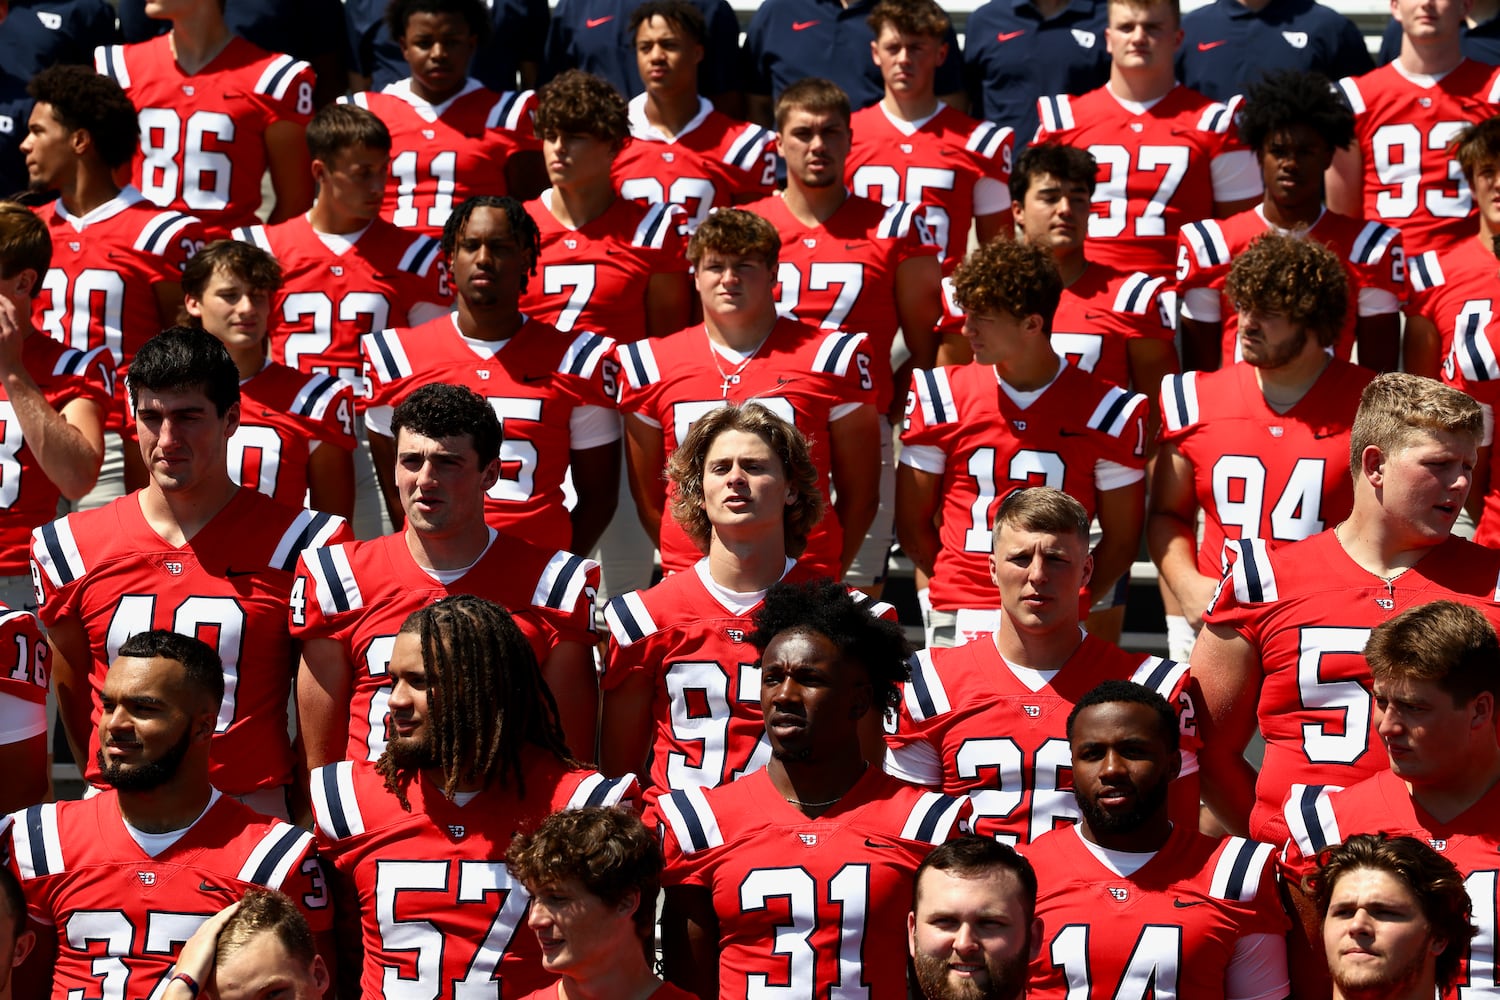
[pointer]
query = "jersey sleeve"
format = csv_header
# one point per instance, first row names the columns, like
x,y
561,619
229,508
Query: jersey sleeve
x,y
1378,260
639,381
1120,417
690,838
632,653
57,571
563,602
1246,587
907,225
1202,262
845,357
287,88
307,884
327,404
321,585
387,371
915,748
931,415
25,657
86,375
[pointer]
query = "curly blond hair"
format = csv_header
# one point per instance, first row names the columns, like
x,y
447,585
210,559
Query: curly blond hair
x,y
1300,279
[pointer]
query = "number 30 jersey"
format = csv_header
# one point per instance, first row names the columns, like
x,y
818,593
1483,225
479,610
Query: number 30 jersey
x,y
1258,473
843,880
1308,609
438,913
229,586
203,134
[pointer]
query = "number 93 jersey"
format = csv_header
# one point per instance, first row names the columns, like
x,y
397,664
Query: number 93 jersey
x,y
1307,610
1258,473
203,134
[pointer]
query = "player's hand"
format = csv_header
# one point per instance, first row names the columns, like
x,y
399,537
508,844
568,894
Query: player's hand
x,y
197,955
13,330
1195,597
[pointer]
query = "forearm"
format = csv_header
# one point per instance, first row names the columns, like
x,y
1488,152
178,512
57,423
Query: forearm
x,y
1228,788
1112,560
856,510
1173,548
66,456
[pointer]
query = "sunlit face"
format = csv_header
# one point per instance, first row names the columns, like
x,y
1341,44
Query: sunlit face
x,y
811,696
411,732
441,483
150,717
1430,20
48,148
908,63
1422,486
576,159
261,969
1039,576
1375,937
1486,190
437,49
731,285
489,263
744,483
1055,213
1122,765
1292,165
353,180
1425,734
184,442
665,56
815,146
580,933
969,938
1142,36
232,310
998,338
1270,340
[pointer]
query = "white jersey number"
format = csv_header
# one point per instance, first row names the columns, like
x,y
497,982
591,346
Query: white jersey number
x,y
1397,151
1112,197
202,178
1003,761
698,695
849,891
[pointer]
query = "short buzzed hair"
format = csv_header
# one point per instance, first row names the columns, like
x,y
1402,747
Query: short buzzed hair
x,y
1396,407
814,95
1043,508
973,856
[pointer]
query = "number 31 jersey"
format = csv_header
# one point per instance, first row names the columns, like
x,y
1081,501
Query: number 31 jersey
x,y
203,134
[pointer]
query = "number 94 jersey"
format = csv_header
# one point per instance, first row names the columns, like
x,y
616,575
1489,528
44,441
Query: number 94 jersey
x,y
203,134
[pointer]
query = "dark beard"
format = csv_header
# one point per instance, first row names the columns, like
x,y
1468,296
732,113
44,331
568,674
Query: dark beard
x,y
1007,980
147,776
410,754
1102,821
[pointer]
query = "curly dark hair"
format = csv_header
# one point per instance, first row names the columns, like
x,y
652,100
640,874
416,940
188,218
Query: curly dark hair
x,y
486,698
842,616
1282,100
522,227
1479,143
580,102
438,410
1300,279
1008,276
736,232
607,849
83,99
398,12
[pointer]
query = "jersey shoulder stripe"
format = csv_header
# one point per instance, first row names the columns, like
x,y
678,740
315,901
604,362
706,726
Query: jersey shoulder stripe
x,y
748,147
1205,239
386,354
584,354
692,819
418,257
1056,112
1310,818
987,139
75,362
563,579
654,226
1136,292
926,697
1113,411
933,818
157,234
935,396
1216,118
315,396
1179,400
1472,350
36,843
1349,88
897,220
278,76
273,858
628,619
639,362
1253,577
255,235
1372,243
1423,272
509,110
310,529
56,552
1160,675
836,352
109,60
1237,872
596,790
338,588
335,804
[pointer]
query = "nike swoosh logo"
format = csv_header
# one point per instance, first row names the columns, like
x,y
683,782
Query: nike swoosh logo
x,y
803,25
594,22
205,887
851,246
528,379
1069,434
1210,46
1185,903
1006,36
1324,435
887,847
1094,314
241,572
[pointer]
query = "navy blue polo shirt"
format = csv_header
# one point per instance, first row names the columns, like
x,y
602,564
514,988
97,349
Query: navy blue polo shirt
x,y
42,33
517,28
1226,45
1011,56
1480,43
15,112
791,39
593,35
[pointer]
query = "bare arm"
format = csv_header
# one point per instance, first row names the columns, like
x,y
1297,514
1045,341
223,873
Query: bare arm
x,y
669,303
1171,533
919,306
758,109
1379,341
1226,674
1150,361
72,663
291,173
854,443
996,224
525,174
596,480
1479,484
646,453
1202,345
690,941
1122,515
383,458
570,674
1344,184
330,480
916,516
1422,352
325,687
24,764
626,735
168,302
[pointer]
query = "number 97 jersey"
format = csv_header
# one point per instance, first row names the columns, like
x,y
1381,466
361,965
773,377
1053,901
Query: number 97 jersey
x,y
203,146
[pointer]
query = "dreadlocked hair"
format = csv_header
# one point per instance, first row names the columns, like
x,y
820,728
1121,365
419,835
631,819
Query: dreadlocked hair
x,y
486,699
522,227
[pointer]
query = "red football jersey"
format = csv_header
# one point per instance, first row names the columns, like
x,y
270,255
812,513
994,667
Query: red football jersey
x,y
28,499
686,635
843,880
438,910
122,914
1257,473
1321,817
959,699
804,375
1100,313
942,166
1371,252
26,667
359,594
1160,167
1309,609
853,288
284,416
595,277
330,298
202,134
100,290
1403,127
538,382
666,991
712,162
1171,927
961,423
228,585
1454,290
442,154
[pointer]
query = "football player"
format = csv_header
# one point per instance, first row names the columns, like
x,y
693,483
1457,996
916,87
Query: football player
x,y
1128,896
349,601
259,946
477,756
194,552
816,835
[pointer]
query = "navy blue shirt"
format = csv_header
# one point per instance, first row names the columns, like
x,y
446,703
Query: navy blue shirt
x,y
15,112
593,35
304,29
518,28
1481,43
1011,56
791,39
42,33
1226,45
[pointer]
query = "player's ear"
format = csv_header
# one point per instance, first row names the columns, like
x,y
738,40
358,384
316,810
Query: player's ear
x,y
1372,465
911,933
1088,568
629,902
1036,935
79,140
1484,711
232,417
491,474
192,306
320,977
26,940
